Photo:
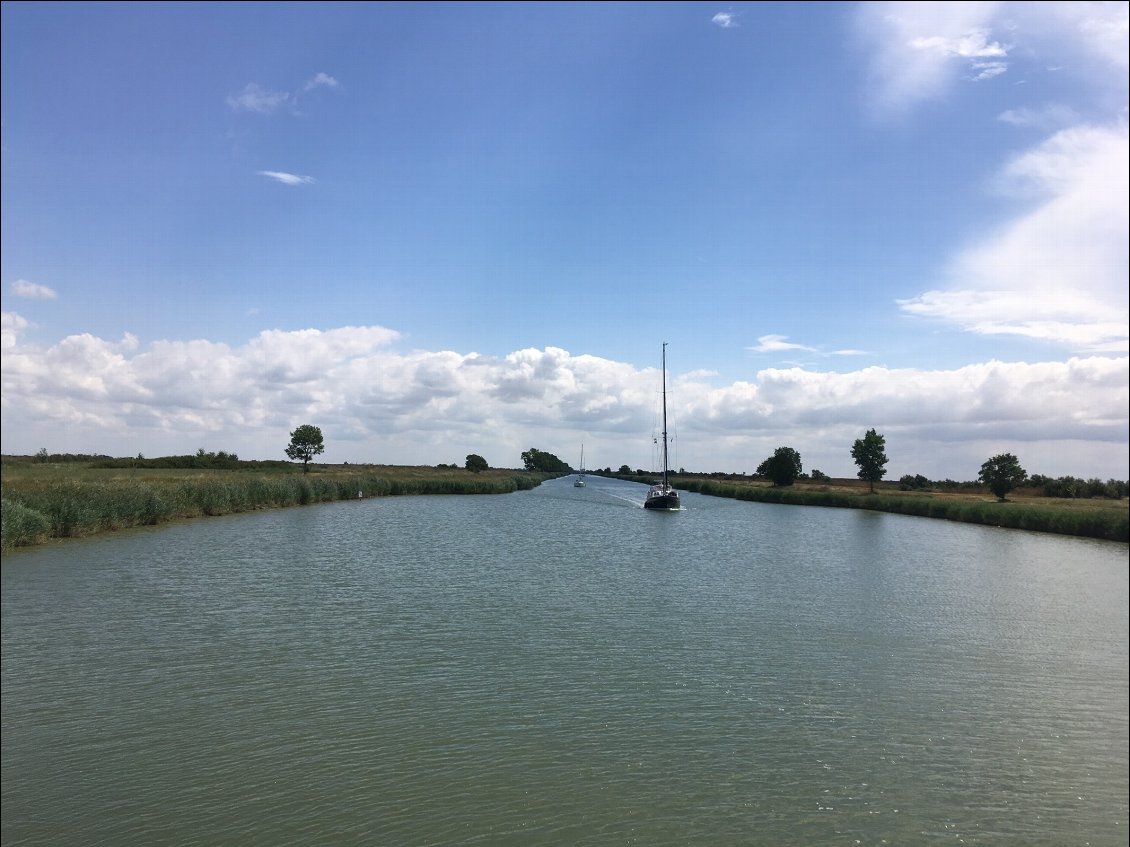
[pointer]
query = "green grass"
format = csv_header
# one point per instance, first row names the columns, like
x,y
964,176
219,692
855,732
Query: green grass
x,y
1104,519
42,501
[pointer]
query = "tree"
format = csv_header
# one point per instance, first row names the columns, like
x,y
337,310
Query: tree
x,y
870,457
1002,474
476,463
783,467
305,444
535,460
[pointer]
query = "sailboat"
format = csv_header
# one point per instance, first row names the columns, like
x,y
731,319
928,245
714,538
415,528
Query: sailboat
x,y
579,482
662,496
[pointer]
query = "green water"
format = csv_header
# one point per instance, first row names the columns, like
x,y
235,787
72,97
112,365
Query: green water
x,y
562,667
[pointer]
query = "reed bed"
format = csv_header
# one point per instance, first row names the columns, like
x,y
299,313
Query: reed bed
x,y
1088,519
39,504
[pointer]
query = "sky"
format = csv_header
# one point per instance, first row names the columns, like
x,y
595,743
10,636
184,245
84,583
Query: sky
x,y
437,229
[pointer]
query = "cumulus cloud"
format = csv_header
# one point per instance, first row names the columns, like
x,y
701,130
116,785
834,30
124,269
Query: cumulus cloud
x,y
32,290
726,20
377,403
288,179
320,80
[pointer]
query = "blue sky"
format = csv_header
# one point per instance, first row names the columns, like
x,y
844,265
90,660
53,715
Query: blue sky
x,y
438,229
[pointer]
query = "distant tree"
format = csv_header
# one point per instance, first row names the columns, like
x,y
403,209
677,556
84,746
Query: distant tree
x,y
818,476
305,444
476,463
869,455
42,456
536,460
783,467
913,483
1002,474
624,469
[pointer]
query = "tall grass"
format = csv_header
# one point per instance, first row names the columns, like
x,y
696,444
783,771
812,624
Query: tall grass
x,y
38,507
1104,523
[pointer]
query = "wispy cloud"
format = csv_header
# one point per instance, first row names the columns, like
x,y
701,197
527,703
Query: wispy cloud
x,y
780,344
288,179
1058,272
987,70
777,344
32,290
915,51
1052,116
254,98
726,20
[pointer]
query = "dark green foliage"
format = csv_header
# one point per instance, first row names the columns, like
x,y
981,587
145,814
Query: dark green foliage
x,y
914,483
818,476
869,455
783,467
624,469
305,443
1071,487
1002,473
476,463
535,460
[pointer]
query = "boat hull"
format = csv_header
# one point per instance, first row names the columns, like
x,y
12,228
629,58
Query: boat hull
x,y
662,499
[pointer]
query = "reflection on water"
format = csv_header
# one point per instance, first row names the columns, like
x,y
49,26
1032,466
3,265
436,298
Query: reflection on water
x,y
563,667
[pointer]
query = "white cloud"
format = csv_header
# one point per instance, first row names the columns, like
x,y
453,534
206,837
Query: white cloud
x,y
320,80
777,344
972,45
32,290
256,99
726,20
916,50
11,325
376,403
1057,272
288,179
987,70
262,101
1052,116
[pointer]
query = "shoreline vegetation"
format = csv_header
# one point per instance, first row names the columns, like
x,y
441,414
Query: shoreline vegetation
x,y
49,501
44,501
1027,509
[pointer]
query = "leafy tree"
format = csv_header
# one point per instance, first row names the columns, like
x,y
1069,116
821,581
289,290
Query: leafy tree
x,y
476,463
783,467
818,476
869,455
305,444
1002,474
624,469
42,456
535,460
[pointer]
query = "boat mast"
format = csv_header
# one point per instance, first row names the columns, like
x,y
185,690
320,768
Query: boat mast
x,y
664,414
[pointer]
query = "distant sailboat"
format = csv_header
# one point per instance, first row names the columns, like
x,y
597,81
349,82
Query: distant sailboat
x,y
579,482
662,496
